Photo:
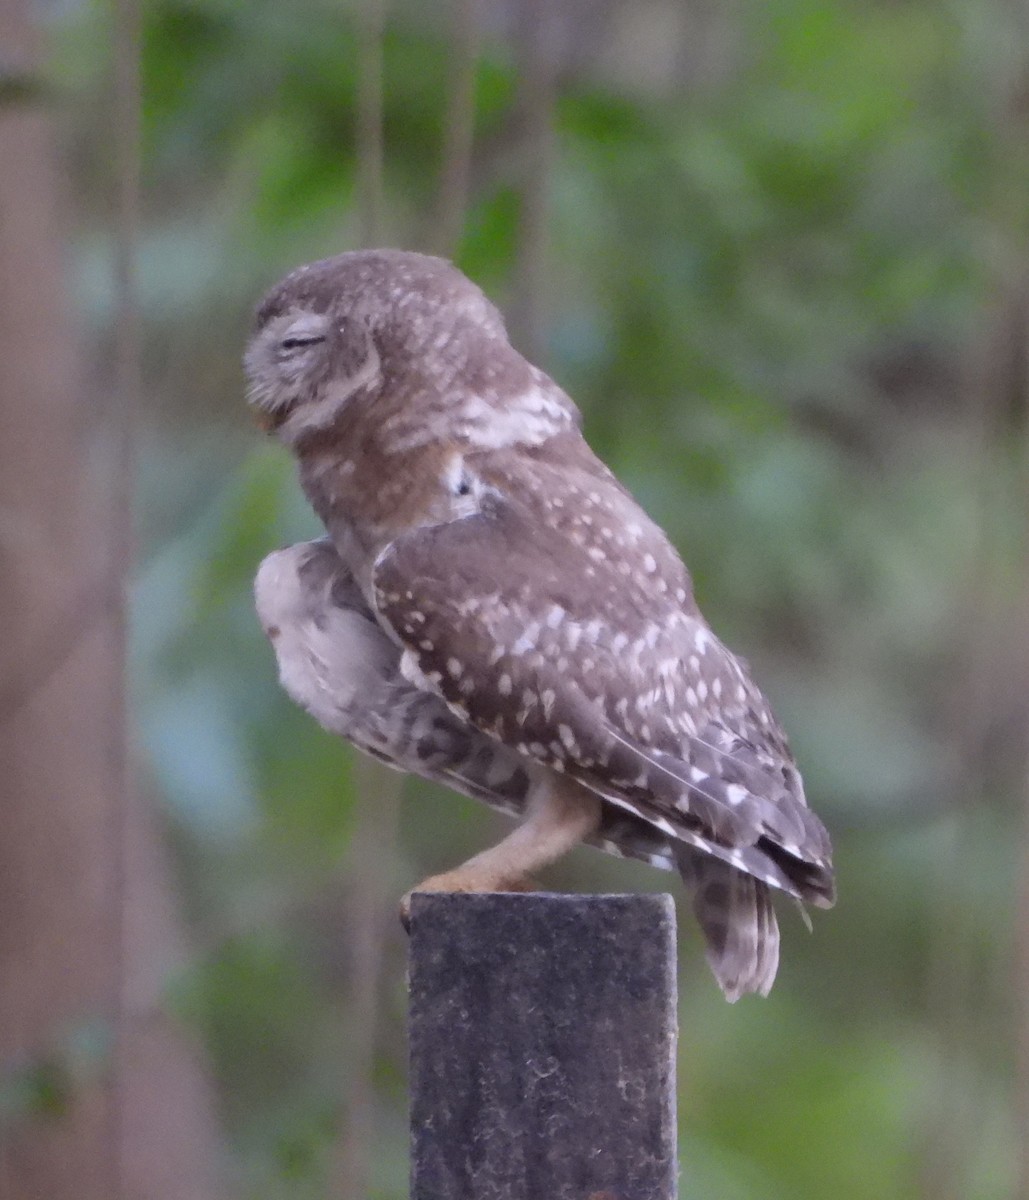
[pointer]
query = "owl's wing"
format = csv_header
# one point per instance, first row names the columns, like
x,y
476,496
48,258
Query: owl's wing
x,y
581,663
337,661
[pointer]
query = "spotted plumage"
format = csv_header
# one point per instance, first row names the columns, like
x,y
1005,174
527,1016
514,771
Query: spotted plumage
x,y
522,608
338,662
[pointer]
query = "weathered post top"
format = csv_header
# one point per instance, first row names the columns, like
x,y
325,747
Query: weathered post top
x,y
542,1033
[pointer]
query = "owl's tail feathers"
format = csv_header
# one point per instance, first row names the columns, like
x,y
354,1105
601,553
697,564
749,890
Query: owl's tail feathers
x,y
738,922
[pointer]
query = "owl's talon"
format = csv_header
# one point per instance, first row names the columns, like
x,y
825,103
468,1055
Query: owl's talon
x,y
463,880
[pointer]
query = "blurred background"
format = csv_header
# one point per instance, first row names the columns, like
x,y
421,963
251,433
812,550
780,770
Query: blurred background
x,y
777,251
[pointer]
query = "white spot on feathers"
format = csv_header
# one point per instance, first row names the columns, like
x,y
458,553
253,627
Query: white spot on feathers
x,y
528,639
556,616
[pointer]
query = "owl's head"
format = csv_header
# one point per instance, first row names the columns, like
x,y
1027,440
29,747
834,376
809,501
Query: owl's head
x,y
353,327
399,342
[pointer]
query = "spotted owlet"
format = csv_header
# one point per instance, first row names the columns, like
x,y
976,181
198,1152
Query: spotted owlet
x,y
492,609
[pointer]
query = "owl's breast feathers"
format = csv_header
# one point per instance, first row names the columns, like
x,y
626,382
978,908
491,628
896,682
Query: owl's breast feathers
x,y
559,620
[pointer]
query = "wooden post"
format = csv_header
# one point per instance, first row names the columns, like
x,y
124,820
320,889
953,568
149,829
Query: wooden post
x,y
543,1047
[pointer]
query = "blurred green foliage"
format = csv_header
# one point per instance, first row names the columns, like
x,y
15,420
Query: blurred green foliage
x,y
776,296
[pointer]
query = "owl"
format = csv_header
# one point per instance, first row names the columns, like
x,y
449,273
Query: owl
x,y
492,609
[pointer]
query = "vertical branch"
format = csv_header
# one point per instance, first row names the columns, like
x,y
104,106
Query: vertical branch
x,y
121,431
63,755
983,621
371,17
376,790
1021,971
88,923
1013,128
163,1124
536,96
989,624
951,966
458,136
372,849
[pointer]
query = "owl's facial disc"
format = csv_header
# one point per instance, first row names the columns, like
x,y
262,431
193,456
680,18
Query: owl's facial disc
x,y
284,360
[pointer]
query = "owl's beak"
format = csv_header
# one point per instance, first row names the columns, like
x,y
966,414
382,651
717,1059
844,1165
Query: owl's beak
x,y
269,420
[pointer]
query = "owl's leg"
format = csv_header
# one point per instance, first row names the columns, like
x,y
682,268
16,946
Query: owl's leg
x,y
560,813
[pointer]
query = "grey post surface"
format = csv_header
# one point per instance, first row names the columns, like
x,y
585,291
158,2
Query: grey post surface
x,y
542,1035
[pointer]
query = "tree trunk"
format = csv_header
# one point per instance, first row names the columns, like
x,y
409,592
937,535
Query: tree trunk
x,y
101,1097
